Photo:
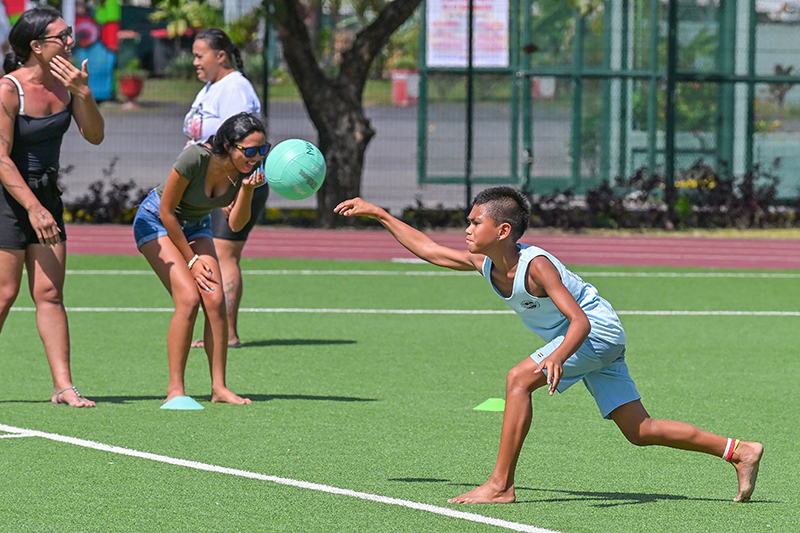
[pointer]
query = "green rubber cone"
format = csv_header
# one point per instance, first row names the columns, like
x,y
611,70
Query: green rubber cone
x,y
492,404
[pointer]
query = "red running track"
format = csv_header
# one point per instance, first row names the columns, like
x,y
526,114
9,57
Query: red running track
x,y
573,249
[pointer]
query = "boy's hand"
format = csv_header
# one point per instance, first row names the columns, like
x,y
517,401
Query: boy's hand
x,y
356,207
554,372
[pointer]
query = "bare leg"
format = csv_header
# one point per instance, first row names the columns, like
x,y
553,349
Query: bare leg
x,y
215,331
11,263
520,383
169,265
640,429
46,266
229,254
46,279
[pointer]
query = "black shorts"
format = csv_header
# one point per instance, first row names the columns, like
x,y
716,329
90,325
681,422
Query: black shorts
x,y
219,222
16,232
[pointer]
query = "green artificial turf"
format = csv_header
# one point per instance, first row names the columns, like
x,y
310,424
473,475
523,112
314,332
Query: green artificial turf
x,y
382,403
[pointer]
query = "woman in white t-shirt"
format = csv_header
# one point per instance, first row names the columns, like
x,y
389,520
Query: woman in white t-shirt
x,y
226,93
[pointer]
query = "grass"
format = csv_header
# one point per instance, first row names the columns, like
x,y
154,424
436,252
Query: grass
x,y
382,403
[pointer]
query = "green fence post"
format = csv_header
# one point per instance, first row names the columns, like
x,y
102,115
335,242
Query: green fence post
x,y
577,100
652,100
751,88
672,61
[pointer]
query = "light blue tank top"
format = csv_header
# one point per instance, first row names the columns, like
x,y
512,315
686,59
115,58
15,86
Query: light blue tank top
x,y
542,316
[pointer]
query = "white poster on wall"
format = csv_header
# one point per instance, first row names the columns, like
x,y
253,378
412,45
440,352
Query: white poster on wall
x,y
447,33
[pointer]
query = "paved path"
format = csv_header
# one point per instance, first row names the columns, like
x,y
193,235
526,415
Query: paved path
x,y
143,145
573,249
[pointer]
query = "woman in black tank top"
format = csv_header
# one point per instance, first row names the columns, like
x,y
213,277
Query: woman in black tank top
x,y
40,94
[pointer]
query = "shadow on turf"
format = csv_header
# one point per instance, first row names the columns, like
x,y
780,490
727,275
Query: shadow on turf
x,y
292,342
254,397
610,499
603,499
269,397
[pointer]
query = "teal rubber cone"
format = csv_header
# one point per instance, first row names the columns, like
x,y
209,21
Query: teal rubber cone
x,y
492,404
182,403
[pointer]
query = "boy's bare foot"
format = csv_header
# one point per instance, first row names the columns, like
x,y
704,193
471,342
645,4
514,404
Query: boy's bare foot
x,y
746,462
486,494
226,396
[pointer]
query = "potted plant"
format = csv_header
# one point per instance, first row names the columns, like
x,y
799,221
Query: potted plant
x,y
131,80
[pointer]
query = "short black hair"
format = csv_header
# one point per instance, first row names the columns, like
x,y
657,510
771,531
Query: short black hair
x,y
506,205
234,130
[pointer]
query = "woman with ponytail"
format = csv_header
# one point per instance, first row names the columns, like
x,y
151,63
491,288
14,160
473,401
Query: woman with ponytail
x,y
226,93
40,94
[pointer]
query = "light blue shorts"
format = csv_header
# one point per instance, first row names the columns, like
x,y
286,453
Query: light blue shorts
x,y
147,225
602,368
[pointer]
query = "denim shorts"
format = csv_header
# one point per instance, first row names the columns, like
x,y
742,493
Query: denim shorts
x,y
602,368
147,225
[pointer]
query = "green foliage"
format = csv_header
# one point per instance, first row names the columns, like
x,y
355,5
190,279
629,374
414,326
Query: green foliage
x,y
695,102
133,68
705,198
244,31
778,90
114,204
402,52
254,67
180,15
181,67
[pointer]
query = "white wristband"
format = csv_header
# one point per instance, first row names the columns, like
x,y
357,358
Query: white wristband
x,y
193,260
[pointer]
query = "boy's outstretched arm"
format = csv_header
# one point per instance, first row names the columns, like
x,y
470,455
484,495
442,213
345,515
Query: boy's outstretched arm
x,y
413,240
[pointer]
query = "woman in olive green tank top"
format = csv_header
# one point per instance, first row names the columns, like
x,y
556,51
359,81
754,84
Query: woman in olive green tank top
x,y
173,232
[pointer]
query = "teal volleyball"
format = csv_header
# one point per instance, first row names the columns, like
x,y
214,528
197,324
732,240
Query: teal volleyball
x,y
295,169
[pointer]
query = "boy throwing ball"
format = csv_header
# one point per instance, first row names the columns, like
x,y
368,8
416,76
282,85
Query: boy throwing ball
x,y
584,339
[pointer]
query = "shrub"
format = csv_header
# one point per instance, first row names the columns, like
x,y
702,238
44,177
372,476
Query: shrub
x,y
703,198
181,67
116,204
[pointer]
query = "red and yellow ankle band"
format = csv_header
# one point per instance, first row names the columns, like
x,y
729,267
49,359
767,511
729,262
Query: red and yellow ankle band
x,y
730,448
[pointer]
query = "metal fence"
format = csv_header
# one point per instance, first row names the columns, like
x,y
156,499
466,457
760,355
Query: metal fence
x,y
591,103
590,98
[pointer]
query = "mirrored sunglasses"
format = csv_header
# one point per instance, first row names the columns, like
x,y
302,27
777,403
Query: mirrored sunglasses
x,y
251,151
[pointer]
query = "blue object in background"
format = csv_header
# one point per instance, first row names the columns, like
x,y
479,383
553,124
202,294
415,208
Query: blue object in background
x,y
101,69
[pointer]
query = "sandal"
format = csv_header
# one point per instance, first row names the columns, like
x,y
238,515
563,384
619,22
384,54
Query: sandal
x,y
62,391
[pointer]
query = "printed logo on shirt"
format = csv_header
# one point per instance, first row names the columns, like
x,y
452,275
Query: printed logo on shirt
x,y
530,304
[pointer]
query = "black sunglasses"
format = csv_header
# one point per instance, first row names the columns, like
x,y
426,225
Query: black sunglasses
x,y
62,36
251,151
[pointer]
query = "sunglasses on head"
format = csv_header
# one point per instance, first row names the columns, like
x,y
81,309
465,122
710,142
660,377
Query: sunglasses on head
x,y
251,151
63,36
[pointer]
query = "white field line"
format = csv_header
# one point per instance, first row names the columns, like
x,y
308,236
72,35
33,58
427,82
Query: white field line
x,y
472,517
409,311
747,275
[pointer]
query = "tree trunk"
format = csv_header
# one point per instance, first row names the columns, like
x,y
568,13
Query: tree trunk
x,y
335,105
343,139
